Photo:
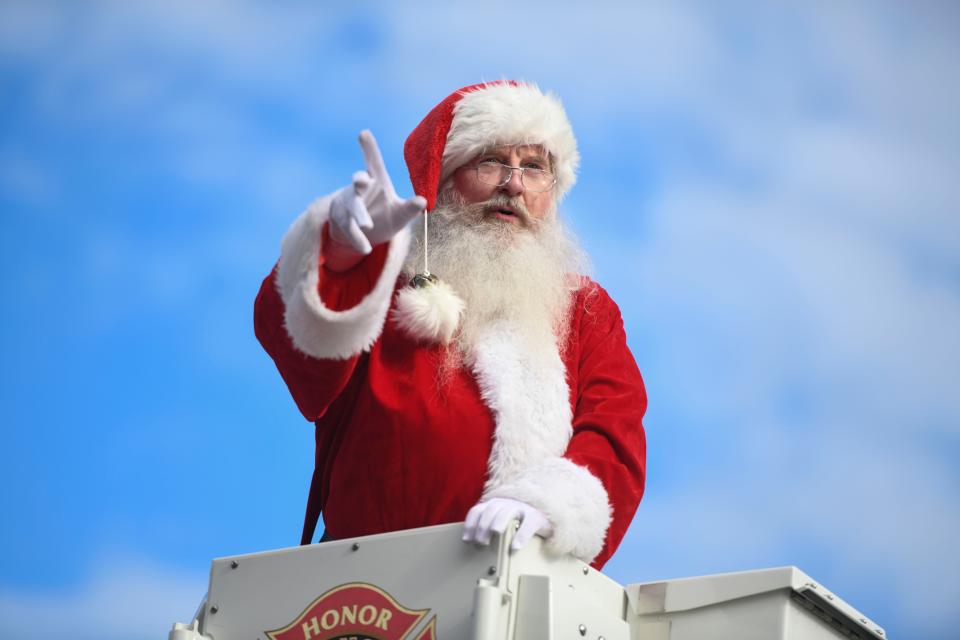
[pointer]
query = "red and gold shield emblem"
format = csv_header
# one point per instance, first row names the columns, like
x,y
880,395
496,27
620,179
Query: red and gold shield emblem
x,y
354,611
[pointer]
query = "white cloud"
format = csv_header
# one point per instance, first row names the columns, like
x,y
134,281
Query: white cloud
x,y
807,243
864,516
27,28
767,274
27,181
125,598
830,275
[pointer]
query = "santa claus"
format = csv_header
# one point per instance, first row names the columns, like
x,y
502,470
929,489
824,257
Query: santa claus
x,y
462,367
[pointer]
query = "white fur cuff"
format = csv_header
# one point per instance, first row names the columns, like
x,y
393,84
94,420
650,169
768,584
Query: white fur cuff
x,y
573,499
315,329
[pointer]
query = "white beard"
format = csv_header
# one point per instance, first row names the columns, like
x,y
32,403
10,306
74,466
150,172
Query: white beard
x,y
522,273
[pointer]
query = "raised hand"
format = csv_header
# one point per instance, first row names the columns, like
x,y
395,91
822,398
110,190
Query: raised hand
x,y
369,211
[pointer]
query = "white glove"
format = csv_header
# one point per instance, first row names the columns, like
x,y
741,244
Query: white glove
x,y
496,514
369,211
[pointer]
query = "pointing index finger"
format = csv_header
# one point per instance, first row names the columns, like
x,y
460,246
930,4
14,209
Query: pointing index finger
x,y
372,157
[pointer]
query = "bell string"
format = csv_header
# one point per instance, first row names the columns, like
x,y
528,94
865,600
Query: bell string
x,y
426,246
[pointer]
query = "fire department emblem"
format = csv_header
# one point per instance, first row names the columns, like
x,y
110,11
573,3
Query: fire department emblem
x,y
355,611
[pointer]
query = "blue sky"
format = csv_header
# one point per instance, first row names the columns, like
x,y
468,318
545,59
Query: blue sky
x,y
768,191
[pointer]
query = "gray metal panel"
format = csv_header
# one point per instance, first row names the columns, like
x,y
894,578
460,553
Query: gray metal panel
x,y
801,624
535,612
757,617
486,593
782,603
701,591
422,569
584,603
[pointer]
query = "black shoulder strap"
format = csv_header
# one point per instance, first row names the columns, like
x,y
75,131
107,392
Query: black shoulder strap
x,y
314,507
327,437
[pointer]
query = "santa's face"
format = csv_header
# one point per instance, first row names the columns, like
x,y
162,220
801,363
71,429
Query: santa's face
x,y
538,204
521,272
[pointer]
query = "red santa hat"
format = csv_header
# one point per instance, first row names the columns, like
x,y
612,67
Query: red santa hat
x,y
458,129
482,116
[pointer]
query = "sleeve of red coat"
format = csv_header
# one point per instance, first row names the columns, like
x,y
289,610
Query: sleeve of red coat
x,y
315,323
608,436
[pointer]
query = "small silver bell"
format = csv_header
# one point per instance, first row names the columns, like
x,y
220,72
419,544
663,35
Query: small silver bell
x,y
422,280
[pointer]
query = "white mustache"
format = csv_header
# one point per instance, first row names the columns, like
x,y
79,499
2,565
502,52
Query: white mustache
x,y
501,201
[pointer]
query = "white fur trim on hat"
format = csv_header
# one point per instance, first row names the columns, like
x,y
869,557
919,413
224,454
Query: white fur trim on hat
x,y
504,113
526,389
315,329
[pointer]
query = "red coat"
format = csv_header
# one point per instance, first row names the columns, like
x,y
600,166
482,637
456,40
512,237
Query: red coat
x,y
398,450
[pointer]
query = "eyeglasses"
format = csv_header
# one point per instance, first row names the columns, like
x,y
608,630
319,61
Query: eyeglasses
x,y
498,174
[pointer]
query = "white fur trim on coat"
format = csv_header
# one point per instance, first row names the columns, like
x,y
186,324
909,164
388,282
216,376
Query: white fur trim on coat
x,y
526,390
572,498
315,329
498,114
